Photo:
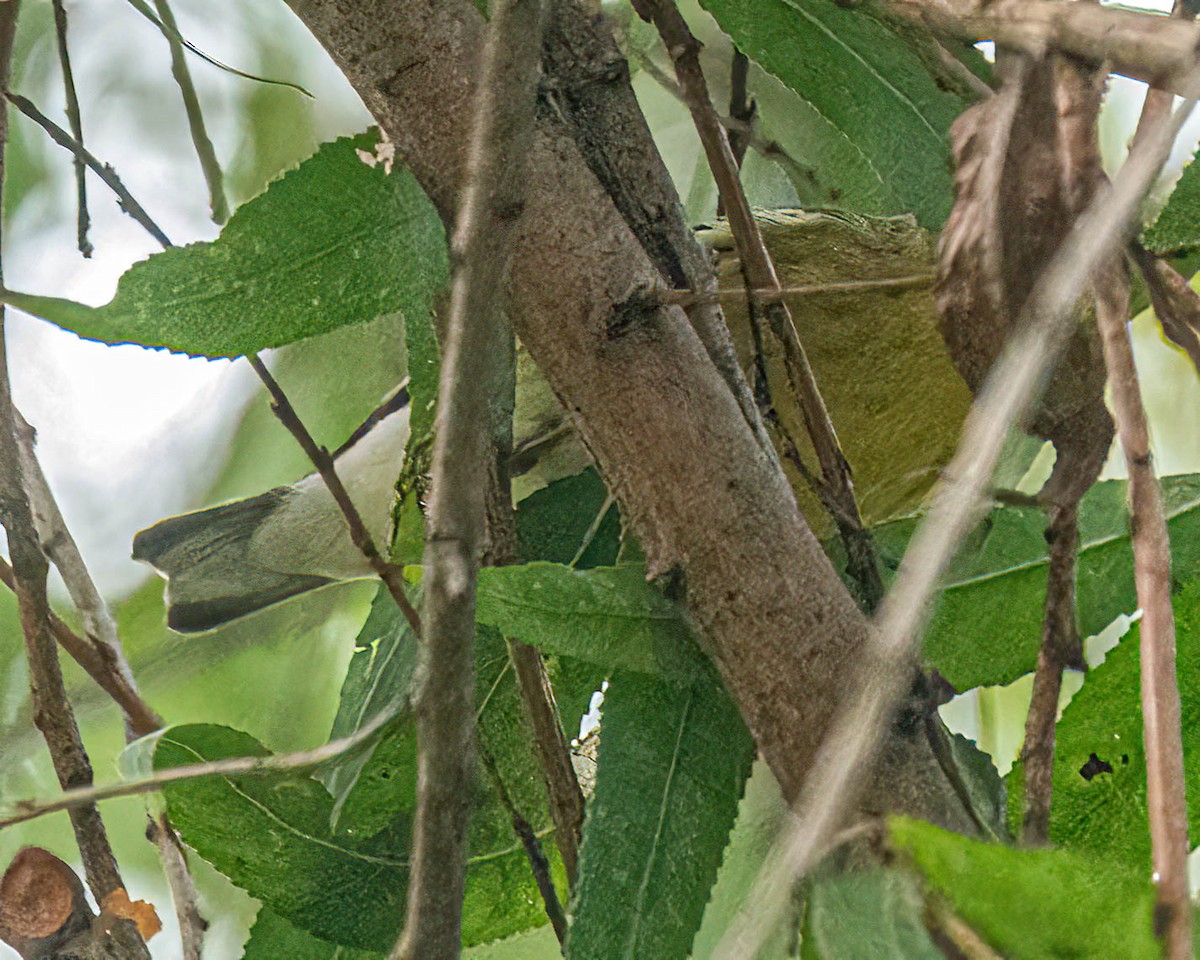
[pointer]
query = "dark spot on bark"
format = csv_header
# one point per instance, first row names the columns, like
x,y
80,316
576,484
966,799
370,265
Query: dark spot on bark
x,y
1094,767
392,85
1162,919
634,312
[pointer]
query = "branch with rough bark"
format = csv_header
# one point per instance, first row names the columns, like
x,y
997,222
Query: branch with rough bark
x,y
645,393
837,485
474,373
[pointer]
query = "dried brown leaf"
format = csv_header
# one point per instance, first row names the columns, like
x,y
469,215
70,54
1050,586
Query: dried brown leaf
x,y
117,905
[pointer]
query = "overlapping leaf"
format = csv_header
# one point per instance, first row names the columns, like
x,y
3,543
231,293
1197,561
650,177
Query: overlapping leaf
x,y
332,243
672,765
885,93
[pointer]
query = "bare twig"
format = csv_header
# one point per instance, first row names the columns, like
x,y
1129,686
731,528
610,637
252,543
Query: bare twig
x,y
1060,643
191,104
554,753
102,170
1165,794
391,574
760,273
471,375
75,119
1144,46
73,798
687,298
104,659
959,499
52,711
138,714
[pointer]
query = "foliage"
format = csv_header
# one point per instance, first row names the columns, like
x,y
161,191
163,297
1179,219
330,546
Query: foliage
x,y
340,262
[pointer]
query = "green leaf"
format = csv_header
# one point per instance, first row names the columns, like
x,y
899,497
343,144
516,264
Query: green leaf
x,y
1177,228
271,836
553,523
984,788
332,243
886,93
987,626
873,915
273,937
1100,804
672,765
608,615
378,677
1036,904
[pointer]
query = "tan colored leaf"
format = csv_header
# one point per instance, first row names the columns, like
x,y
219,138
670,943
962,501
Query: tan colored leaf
x,y
117,904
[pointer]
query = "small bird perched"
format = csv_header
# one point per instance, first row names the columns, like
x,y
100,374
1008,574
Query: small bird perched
x,y
227,561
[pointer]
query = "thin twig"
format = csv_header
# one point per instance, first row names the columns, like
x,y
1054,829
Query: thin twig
x,y
959,500
71,799
138,714
51,709
759,269
105,662
207,156
742,110
391,574
1166,799
1060,645
106,173
1144,46
688,298
471,375
75,119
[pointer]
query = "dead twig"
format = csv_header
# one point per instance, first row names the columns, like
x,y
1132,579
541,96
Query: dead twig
x,y
73,798
52,711
471,375
1165,784
75,119
959,499
759,270
391,574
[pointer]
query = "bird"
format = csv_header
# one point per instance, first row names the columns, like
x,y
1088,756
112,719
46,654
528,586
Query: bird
x,y
227,561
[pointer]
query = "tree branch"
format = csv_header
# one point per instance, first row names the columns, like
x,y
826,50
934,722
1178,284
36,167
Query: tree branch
x,y
473,373
759,270
75,119
1165,782
52,711
391,574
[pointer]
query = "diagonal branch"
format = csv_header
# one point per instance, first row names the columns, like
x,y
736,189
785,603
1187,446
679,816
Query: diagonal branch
x,y
1165,782
472,374
760,274
75,119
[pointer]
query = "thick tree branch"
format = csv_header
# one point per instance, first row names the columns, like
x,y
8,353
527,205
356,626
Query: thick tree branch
x,y
704,496
1165,782
473,374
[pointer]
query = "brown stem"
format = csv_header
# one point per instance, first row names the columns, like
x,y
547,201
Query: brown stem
x,y
391,574
554,753
106,173
1060,648
1165,784
760,272
471,375
1144,46
75,119
52,711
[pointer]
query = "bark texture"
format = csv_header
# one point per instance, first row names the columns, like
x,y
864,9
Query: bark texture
x,y
705,498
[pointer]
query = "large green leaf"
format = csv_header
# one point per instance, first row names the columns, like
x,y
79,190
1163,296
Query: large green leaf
x,y
607,615
1036,904
331,243
987,626
1178,225
886,93
272,938
1099,760
872,915
672,764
